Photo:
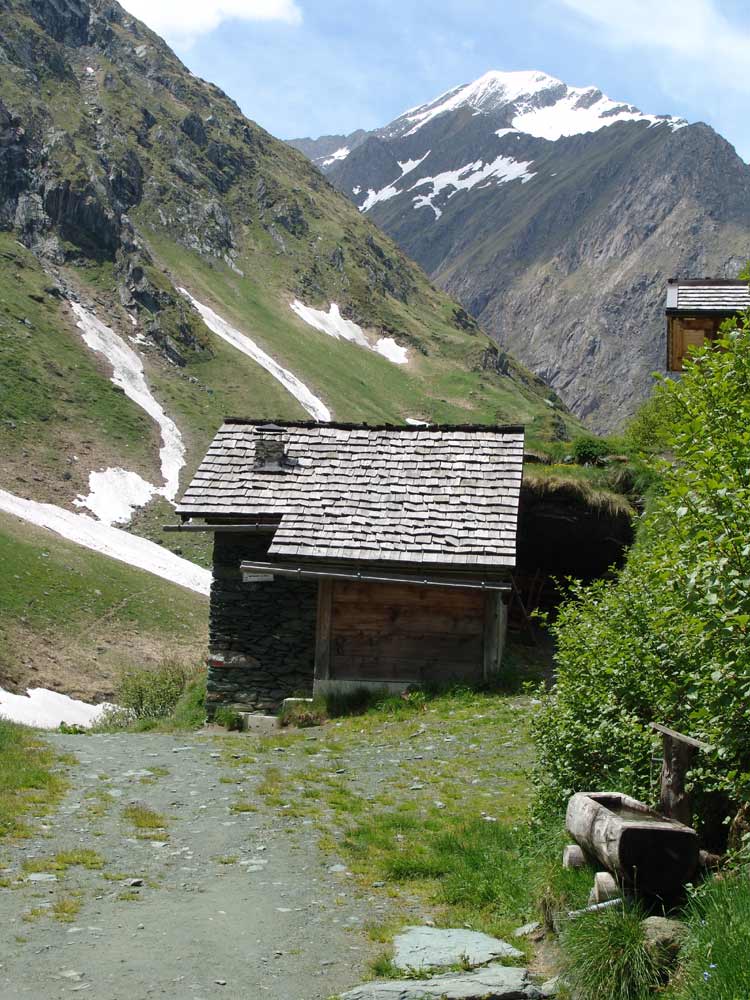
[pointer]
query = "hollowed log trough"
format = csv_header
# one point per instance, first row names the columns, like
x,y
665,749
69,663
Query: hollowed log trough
x,y
645,851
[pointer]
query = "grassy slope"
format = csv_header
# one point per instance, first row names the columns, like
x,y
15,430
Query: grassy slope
x,y
56,400
70,618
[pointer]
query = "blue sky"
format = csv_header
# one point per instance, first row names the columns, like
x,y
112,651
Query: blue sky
x,y
312,67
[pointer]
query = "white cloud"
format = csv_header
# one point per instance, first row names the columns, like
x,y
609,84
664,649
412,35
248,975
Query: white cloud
x,y
184,20
681,29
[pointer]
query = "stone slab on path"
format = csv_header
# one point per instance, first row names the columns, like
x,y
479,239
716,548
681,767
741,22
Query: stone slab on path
x,y
424,948
495,982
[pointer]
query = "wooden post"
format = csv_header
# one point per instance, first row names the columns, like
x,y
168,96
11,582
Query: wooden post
x,y
323,631
679,754
495,626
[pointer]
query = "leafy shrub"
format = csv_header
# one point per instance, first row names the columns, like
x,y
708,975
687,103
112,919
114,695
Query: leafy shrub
x,y
605,956
669,639
589,450
151,694
170,695
713,961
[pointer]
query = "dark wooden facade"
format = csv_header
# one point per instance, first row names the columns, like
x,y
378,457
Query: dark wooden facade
x,y
397,634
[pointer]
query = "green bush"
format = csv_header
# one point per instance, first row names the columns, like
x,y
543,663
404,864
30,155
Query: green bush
x,y
151,694
589,450
714,960
669,640
605,956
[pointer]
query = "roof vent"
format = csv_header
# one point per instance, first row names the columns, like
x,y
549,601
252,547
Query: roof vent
x,y
270,453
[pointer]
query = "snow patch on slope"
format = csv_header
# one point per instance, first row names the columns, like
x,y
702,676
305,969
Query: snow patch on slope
x,y
114,494
340,154
314,406
502,169
128,374
373,197
334,324
109,541
388,347
408,165
47,709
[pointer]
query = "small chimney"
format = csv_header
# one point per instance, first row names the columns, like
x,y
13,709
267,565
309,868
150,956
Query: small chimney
x,y
270,455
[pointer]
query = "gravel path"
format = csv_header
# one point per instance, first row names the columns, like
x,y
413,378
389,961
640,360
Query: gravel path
x,y
234,904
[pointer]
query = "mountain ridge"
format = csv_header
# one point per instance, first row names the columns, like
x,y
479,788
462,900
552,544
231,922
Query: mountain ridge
x,y
560,244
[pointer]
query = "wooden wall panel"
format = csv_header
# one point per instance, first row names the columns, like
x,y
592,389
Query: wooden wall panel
x,y
392,632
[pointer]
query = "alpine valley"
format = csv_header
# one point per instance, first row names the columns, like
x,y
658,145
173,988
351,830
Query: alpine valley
x,y
164,262
555,215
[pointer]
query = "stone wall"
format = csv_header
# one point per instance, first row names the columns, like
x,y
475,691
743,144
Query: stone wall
x,y
262,635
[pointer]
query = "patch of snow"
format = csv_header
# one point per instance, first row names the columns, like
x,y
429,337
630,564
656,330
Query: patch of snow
x,y
505,131
340,154
356,189
502,169
128,375
544,106
132,319
388,347
109,541
314,406
90,70
334,324
408,165
47,709
581,110
373,197
416,423
115,494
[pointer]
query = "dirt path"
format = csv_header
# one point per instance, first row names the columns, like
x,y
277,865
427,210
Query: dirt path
x,y
232,903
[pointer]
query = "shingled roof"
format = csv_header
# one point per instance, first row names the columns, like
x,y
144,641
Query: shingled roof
x,y
439,495
712,295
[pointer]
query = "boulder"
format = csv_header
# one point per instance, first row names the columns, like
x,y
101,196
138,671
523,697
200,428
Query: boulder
x,y
434,948
496,982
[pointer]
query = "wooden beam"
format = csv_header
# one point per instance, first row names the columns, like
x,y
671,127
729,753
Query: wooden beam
x,y
323,630
679,753
374,576
492,645
230,528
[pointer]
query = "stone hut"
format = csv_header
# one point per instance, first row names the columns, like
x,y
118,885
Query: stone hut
x,y
350,556
695,310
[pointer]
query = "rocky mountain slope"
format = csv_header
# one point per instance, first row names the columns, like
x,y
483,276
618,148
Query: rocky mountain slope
x,y
165,262
556,216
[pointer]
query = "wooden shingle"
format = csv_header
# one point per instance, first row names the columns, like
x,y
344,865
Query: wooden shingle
x,y
430,495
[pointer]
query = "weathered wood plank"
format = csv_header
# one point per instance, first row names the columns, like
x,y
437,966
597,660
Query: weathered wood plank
x,y
323,630
456,649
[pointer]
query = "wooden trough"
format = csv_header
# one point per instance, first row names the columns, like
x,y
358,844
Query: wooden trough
x,y
643,849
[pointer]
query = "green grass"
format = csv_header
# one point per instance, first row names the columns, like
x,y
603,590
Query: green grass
x,y
30,782
714,961
605,957
449,825
63,860
145,819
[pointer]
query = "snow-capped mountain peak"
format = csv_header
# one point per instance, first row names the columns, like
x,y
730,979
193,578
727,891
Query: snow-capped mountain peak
x,y
534,103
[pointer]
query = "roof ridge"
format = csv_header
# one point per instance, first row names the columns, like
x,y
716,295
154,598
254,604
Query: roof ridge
x,y
350,426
